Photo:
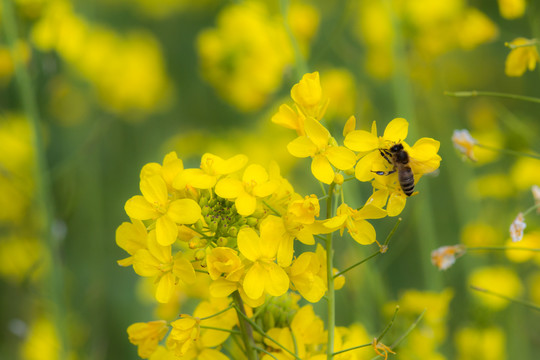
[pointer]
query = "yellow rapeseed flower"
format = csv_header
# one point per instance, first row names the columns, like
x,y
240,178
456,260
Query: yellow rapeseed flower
x,y
184,332
512,9
500,280
147,335
131,237
480,343
521,58
305,276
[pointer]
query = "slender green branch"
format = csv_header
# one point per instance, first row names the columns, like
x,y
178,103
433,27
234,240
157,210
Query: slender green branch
x,y
411,328
352,348
218,313
534,207
382,250
518,301
330,294
235,332
532,42
199,270
508,151
266,352
301,66
501,248
53,287
263,333
271,208
245,329
380,337
474,93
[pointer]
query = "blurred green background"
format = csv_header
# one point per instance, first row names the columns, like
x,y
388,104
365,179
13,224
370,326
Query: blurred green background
x,y
118,84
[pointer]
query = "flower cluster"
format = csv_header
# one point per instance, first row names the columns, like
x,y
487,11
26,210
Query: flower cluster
x,y
235,223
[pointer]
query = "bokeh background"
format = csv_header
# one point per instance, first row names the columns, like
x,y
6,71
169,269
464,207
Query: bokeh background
x,y
117,84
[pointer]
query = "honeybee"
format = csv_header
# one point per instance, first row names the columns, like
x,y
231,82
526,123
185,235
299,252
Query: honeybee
x,y
399,159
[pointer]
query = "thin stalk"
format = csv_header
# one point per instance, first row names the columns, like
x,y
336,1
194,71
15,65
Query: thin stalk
x,y
301,66
218,313
509,152
266,352
44,199
353,348
473,93
330,295
380,337
532,42
245,328
261,331
501,248
529,210
382,249
411,328
271,208
518,301
235,332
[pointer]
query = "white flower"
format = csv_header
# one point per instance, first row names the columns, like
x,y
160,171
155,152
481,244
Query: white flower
x,y
464,142
446,256
517,227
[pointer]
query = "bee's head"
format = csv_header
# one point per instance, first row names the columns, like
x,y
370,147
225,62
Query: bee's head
x,y
395,148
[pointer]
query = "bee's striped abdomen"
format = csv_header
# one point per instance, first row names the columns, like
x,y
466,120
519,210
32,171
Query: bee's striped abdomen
x,y
406,180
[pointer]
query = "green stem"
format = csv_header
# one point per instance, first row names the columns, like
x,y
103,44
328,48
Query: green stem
x,y
330,296
353,348
301,66
245,328
532,42
500,248
534,207
411,328
261,331
518,301
44,199
380,337
271,208
509,152
236,332
218,313
473,93
381,250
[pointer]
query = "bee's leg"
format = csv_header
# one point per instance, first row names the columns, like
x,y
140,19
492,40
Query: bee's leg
x,y
385,154
384,172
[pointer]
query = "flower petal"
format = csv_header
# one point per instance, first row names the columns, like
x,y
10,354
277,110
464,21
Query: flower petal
x,y
231,165
316,132
364,167
154,189
360,140
222,288
278,281
229,188
396,131
341,157
396,203
255,173
364,234
255,281
165,288
302,147
166,231
322,170
249,244
139,208
183,269
245,204
184,211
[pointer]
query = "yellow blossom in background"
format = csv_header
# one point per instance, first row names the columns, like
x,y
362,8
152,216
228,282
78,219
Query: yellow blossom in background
x,y
22,258
185,331
480,233
497,186
475,28
525,173
521,58
227,320
239,56
480,343
308,97
127,72
42,341
534,287
7,62
340,87
512,9
529,240
498,279
147,336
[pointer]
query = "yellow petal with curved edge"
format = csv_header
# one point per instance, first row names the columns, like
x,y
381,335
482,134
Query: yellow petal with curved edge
x,y
211,354
307,92
265,189
231,165
245,204
302,147
166,231
131,236
424,149
183,269
277,282
396,131
335,222
229,188
172,166
165,288
160,252
255,173
255,281
341,157
350,125
360,140
364,234
316,132
378,198
196,178
249,244
370,211
144,264
322,170
139,208
286,117
364,167
285,251
221,288
184,211
150,169
396,204
154,189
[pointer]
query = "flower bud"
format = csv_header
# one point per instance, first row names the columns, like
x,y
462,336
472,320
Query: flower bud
x,y
221,241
